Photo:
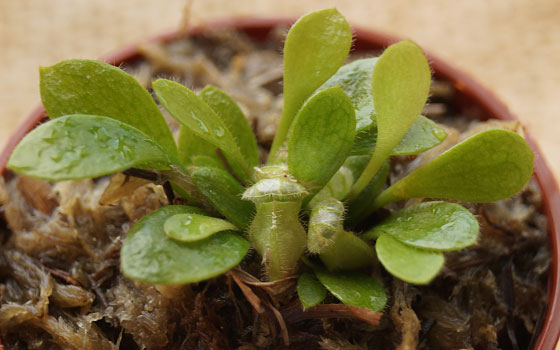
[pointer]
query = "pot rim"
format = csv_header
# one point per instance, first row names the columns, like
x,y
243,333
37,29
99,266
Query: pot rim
x,y
462,82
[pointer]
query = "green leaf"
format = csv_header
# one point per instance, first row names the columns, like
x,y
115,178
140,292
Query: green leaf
x,y
224,193
147,255
338,187
185,106
347,252
85,146
354,288
410,264
489,166
236,122
310,291
316,46
400,86
430,225
321,138
194,150
423,135
362,206
89,87
194,227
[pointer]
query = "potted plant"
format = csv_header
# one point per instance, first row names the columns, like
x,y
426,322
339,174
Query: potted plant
x,y
328,117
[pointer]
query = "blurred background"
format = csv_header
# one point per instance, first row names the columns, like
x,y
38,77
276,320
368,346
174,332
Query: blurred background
x,y
510,46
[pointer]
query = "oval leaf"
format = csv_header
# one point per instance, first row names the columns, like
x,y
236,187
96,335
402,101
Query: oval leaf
x,y
147,255
430,225
194,227
354,288
321,137
85,146
185,106
236,122
400,86
410,264
316,46
224,193
424,134
98,88
310,291
489,166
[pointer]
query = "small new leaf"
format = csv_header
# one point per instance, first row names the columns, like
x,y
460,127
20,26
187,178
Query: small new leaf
x,y
86,146
194,227
430,225
310,291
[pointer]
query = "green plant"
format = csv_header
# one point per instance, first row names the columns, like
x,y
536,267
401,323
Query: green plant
x,y
325,172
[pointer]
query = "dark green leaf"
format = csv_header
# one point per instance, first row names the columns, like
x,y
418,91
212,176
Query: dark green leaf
x,y
310,291
316,46
194,227
430,225
410,264
97,88
185,106
321,138
85,146
423,135
149,256
224,193
362,206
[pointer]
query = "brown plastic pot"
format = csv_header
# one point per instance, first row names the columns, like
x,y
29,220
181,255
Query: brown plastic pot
x,y
471,98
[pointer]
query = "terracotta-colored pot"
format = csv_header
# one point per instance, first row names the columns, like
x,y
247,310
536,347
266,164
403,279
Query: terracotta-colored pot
x,y
469,96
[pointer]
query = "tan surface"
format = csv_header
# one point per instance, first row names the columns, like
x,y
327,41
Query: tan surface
x,y
511,46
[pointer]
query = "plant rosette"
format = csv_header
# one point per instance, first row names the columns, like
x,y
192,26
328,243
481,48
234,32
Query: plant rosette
x,y
104,122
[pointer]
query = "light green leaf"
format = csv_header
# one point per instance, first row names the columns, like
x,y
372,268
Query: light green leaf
x,y
224,193
321,138
348,252
489,166
85,146
400,86
423,135
354,288
185,106
316,46
194,227
338,187
310,291
236,122
89,87
147,255
410,264
430,225
194,150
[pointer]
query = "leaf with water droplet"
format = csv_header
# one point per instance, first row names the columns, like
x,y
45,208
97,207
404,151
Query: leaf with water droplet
x,y
430,225
189,109
97,88
489,166
236,122
310,291
410,264
194,227
148,255
321,137
86,146
224,192
400,85
316,46
354,288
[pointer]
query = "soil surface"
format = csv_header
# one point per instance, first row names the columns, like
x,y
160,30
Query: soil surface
x,y
61,288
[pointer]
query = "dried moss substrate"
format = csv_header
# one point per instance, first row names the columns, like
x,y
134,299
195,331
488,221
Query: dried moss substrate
x,y
60,285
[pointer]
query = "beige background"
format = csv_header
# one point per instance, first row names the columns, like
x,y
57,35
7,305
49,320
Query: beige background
x,y
511,46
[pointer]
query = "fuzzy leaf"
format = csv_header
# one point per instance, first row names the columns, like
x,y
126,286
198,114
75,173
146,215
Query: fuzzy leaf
x,y
400,86
224,193
310,291
410,264
423,135
194,150
85,146
148,255
89,87
321,138
236,122
354,288
185,106
316,46
489,166
194,227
